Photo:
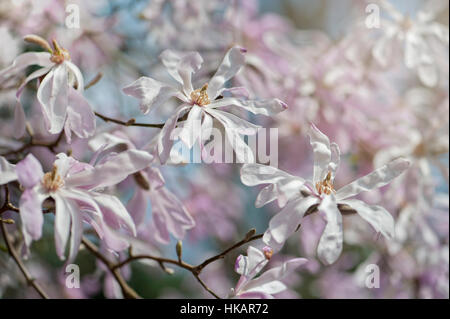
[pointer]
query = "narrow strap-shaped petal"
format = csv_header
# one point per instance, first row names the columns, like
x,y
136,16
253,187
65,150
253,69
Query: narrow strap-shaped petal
x,y
7,171
80,117
331,241
62,224
263,107
378,178
25,60
191,130
30,204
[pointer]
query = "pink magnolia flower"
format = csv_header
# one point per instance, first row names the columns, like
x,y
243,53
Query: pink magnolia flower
x,y
266,285
421,40
60,93
201,106
298,196
169,215
75,188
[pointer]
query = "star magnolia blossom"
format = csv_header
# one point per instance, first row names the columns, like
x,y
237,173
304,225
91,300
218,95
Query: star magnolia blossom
x,y
298,196
266,285
417,38
169,215
63,106
203,104
75,188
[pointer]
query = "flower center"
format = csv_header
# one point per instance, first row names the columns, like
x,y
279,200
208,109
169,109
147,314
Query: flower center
x,y
59,55
325,186
200,97
52,181
268,252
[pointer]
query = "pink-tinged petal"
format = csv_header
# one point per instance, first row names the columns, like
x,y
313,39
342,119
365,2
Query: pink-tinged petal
x,y
322,153
232,63
377,216
76,230
137,206
30,204
169,215
263,107
191,130
107,141
113,171
151,93
62,224
331,241
155,177
283,186
335,159
165,141
284,224
378,178
255,295
66,164
29,171
110,236
207,127
269,282
115,215
181,66
233,122
53,96
25,60
7,171
19,120
80,116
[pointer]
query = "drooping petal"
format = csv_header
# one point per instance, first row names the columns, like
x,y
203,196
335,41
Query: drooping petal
x,y
62,224
80,117
335,159
322,153
181,66
377,216
77,74
76,230
251,264
378,178
29,171
191,130
165,141
7,171
137,206
264,107
113,171
232,63
331,241
30,204
150,93
284,224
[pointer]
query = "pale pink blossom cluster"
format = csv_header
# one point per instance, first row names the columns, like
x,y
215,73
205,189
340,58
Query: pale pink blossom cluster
x,y
93,117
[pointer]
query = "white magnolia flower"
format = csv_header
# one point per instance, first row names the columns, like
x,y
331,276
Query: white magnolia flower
x,y
421,39
201,106
298,196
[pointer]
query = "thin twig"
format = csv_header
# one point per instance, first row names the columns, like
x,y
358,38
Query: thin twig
x,y
130,122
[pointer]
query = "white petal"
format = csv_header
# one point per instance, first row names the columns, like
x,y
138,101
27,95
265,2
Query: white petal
x,y
322,153
264,107
331,241
230,66
378,178
192,127
7,171
62,224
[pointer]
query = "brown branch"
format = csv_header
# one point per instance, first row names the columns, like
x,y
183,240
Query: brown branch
x,y
130,122
51,146
13,253
127,291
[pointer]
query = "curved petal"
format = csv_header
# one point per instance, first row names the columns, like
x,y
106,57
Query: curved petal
x,y
151,93
378,178
232,63
77,73
62,224
25,60
377,216
181,66
284,224
331,241
30,204
191,130
322,153
7,171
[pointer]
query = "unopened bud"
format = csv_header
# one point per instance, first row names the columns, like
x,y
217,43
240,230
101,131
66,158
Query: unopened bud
x,y
179,249
35,39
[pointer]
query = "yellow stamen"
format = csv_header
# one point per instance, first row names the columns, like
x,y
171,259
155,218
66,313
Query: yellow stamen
x,y
52,181
200,97
325,186
59,54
